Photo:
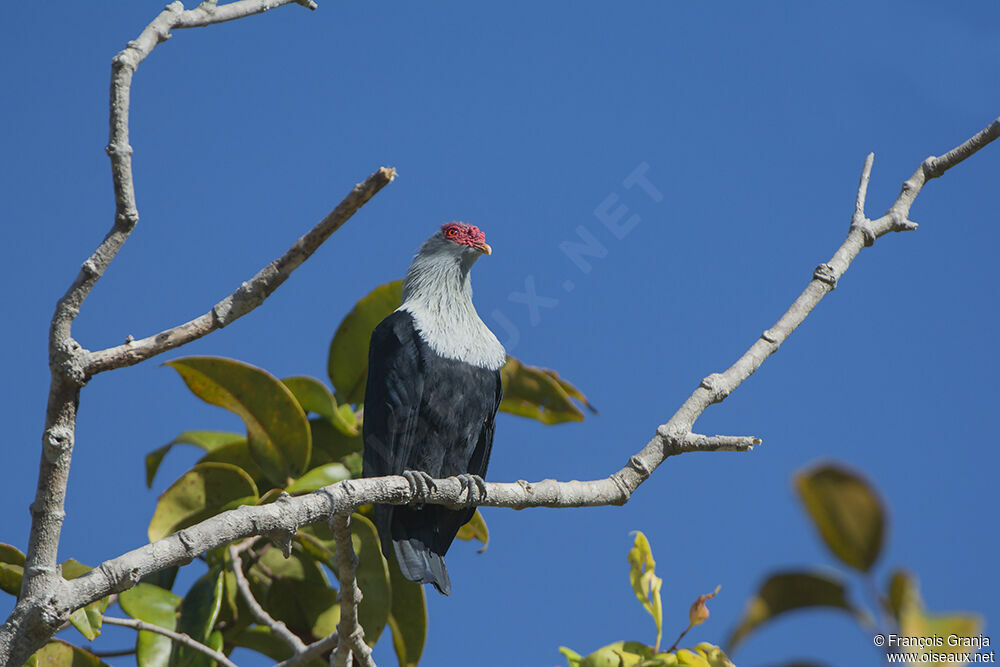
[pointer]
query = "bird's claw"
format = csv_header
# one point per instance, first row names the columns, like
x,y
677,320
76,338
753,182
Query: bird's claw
x,y
421,484
472,484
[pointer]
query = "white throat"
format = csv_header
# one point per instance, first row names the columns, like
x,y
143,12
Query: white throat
x,y
437,293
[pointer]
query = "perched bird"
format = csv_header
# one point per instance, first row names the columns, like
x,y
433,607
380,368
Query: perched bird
x,y
431,400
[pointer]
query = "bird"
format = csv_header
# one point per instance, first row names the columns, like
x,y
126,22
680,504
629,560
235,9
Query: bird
x,y
431,400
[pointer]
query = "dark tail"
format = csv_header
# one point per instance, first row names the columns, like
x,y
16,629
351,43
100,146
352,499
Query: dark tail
x,y
421,565
420,538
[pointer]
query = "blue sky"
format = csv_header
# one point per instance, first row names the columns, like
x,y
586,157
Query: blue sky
x,y
754,120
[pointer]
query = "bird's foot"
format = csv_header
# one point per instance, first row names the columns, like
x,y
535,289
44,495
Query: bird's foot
x,y
473,485
421,484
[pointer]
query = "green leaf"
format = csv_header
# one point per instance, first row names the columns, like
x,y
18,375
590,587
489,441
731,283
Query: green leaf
x,y
309,610
58,653
300,595
155,605
347,364
333,443
11,554
317,478
572,657
346,420
847,512
238,454
914,621
87,620
203,491
72,568
198,612
11,569
207,440
475,529
407,616
619,654
690,658
538,393
354,463
373,578
645,583
277,429
963,626
790,591
528,391
312,395
163,578
81,620
299,566
372,572
10,578
261,640
714,655
904,594
296,591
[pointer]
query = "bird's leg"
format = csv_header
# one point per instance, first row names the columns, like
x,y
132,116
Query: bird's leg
x,y
421,484
472,483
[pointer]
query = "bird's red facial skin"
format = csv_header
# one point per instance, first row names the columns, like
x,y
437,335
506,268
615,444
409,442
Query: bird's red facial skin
x,y
464,234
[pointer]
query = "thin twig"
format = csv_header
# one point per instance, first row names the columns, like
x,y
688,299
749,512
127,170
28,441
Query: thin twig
x,y
302,653
679,638
859,202
176,637
672,438
67,359
112,654
278,628
250,294
316,648
352,635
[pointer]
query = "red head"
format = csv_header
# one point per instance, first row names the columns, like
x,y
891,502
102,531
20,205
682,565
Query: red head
x,y
469,235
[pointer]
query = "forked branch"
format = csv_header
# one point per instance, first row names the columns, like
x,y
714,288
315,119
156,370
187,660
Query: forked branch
x,y
47,598
673,438
35,617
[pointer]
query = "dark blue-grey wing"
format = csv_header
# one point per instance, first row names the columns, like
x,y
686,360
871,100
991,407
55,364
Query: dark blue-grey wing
x,y
392,397
392,407
481,456
452,520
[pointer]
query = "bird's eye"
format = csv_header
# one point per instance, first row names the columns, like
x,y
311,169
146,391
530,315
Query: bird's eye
x,y
452,232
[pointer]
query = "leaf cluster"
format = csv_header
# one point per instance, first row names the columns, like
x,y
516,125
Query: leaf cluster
x,y
646,586
301,435
851,520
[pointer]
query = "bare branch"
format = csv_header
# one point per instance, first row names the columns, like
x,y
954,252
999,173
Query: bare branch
x,y
278,628
177,637
209,13
251,293
316,648
302,653
672,438
859,203
895,219
352,635
694,442
123,67
942,164
47,599
34,621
